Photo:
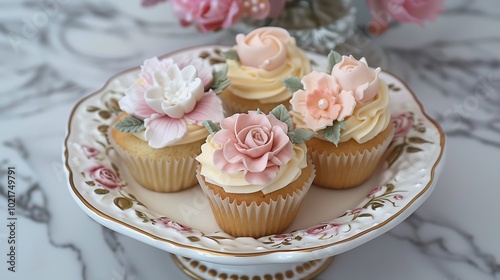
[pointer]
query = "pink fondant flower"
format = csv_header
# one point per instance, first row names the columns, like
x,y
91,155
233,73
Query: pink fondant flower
x,y
253,143
166,222
169,94
402,123
264,47
105,177
321,102
415,11
355,75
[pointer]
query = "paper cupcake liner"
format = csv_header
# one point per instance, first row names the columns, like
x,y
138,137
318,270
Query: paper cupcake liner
x,y
239,219
346,170
162,175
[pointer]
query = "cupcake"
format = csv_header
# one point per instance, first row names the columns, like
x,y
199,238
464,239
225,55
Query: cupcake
x,y
348,108
255,171
256,67
160,133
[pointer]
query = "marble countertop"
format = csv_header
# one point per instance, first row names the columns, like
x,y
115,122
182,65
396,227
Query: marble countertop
x,y
55,52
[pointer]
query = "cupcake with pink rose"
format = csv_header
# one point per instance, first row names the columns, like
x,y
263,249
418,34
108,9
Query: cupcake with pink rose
x,y
160,131
254,170
257,65
348,108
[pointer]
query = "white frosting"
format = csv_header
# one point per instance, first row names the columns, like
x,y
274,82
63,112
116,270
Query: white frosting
x,y
235,183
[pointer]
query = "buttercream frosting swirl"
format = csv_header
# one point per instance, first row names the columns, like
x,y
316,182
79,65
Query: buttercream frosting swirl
x,y
267,56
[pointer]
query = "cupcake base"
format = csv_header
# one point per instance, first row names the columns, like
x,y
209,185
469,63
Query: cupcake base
x,y
234,104
170,169
350,164
257,214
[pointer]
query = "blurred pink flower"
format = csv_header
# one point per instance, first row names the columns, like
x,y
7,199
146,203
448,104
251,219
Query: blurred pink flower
x,y
415,11
402,124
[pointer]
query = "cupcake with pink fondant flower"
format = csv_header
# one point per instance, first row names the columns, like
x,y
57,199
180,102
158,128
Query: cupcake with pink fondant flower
x,y
160,132
255,171
348,109
257,65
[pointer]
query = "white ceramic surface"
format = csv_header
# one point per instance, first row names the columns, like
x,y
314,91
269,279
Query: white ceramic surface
x,y
329,223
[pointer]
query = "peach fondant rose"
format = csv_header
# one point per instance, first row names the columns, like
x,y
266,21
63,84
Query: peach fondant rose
x,y
355,75
264,47
253,143
322,102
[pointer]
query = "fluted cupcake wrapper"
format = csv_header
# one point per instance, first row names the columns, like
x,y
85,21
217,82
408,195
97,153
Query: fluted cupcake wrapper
x,y
346,170
161,175
239,219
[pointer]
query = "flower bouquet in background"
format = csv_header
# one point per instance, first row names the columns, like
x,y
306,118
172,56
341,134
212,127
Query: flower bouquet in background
x,y
212,15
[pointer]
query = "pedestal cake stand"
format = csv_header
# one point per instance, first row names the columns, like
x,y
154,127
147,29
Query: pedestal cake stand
x,y
329,223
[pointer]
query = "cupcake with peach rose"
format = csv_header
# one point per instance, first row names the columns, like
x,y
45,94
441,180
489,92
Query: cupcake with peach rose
x,y
254,170
256,67
347,106
160,131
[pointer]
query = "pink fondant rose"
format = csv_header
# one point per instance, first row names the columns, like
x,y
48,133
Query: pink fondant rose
x,y
354,75
105,177
253,143
402,124
321,102
168,95
416,11
264,47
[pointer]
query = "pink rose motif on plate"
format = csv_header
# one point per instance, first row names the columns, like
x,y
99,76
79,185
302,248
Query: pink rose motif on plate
x,y
376,191
253,143
90,152
355,75
282,236
414,11
330,228
321,102
167,95
264,47
211,15
174,225
105,177
398,197
402,123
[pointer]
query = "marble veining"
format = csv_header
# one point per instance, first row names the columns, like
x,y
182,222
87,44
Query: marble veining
x,y
56,51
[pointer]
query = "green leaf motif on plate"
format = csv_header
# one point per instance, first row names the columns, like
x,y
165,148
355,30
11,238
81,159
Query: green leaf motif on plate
x,y
101,191
123,203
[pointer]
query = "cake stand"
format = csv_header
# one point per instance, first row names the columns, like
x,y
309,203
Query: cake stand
x,y
330,222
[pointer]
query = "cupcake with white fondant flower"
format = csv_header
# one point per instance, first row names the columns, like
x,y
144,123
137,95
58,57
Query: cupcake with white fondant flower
x,y
257,65
254,170
348,107
160,132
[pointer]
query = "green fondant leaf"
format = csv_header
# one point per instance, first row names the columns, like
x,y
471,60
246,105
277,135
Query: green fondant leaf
x,y
332,133
130,124
299,136
221,81
211,127
231,54
333,58
281,113
293,84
